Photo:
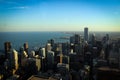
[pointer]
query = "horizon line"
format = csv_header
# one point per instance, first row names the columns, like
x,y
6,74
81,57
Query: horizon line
x,y
58,31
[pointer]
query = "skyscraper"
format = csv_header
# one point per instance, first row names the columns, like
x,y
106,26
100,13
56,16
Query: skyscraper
x,y
77,39
86,34
26,47
48,47
13,58
93,39
32,54
119,52
42,53
50,59
7,46
107,37
51,41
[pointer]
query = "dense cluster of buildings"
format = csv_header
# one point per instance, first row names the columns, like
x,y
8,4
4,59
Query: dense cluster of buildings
x,y
79,59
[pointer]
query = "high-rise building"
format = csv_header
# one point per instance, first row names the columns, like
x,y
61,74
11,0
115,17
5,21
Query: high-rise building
x,y
32,65
13,58
51,41
48,47
50,59
62,67
72,39
42,53
65,48
107,37
86,34
7,46
24,54
59,47
93,39
35,63
66,59
32,54
119,51
78,48
23,58
26,47
59,58
77,38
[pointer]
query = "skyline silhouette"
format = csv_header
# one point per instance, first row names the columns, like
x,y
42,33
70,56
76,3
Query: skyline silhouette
x,y
59,15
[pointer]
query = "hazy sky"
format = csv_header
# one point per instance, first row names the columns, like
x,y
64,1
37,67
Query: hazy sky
x,y
59,15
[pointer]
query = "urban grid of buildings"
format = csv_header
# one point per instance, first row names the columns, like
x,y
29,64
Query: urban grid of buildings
x,y
82,58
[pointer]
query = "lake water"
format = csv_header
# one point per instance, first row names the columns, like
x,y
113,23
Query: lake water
x,y
39,39
34,39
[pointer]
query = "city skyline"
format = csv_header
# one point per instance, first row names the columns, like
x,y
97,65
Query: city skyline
x,y
59,15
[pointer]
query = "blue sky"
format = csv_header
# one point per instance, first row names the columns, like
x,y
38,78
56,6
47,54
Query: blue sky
x,y
59,15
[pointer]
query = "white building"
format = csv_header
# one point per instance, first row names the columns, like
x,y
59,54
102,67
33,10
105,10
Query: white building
x,y
13,58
